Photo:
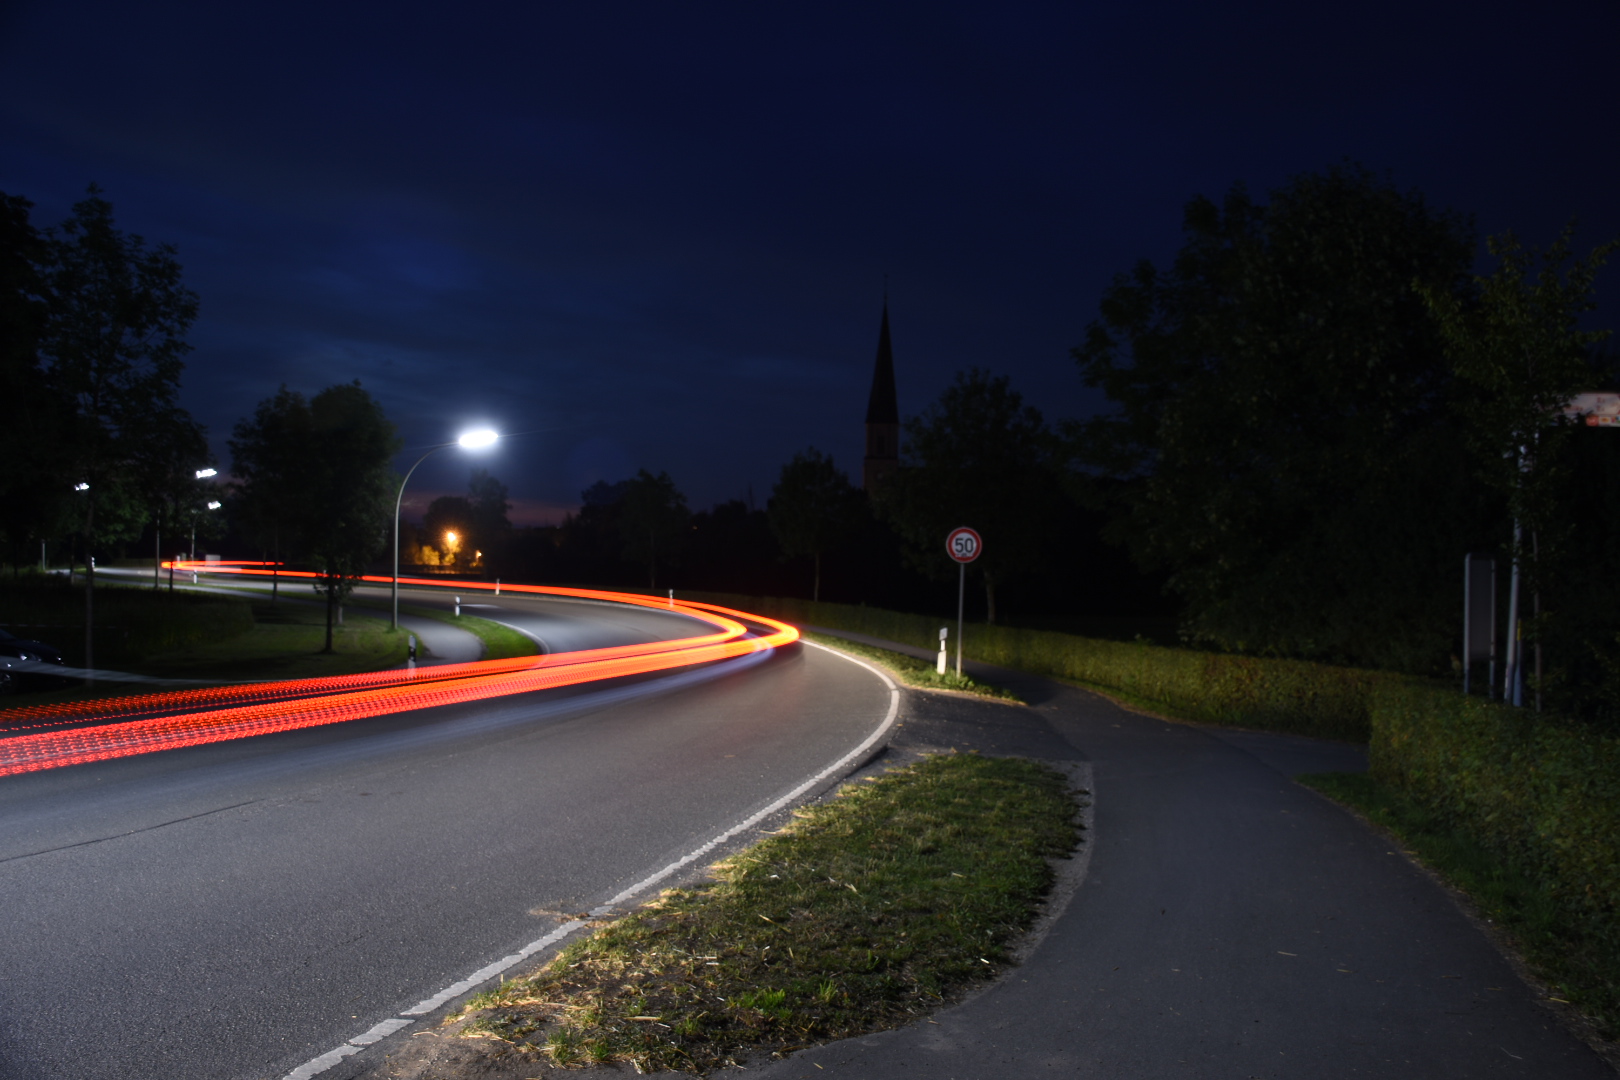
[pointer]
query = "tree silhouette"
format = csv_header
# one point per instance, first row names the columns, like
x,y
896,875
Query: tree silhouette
x,y
812,509
982,458
113,343
653,520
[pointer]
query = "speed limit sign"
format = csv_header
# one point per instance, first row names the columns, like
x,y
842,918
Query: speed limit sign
x,y
963,545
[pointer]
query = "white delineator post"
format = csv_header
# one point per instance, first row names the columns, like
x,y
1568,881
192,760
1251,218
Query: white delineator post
x,y
939,666
963,545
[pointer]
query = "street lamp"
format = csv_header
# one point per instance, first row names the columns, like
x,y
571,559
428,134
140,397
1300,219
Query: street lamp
x,y
213,504
477,439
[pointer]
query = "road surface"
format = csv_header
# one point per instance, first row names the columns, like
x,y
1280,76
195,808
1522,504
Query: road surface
x,y
233,910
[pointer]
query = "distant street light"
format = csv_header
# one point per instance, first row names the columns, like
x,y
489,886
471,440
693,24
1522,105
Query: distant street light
x,y
477,439
201,474
215,505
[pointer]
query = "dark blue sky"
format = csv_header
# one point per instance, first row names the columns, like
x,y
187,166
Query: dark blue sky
x,y
656,235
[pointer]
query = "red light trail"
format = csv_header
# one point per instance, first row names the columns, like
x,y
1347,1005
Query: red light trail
x,y
164,721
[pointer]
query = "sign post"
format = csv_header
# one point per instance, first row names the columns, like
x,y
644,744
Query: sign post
x,y
963,545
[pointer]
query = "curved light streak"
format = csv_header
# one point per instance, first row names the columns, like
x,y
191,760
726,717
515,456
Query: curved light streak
x,y
145,723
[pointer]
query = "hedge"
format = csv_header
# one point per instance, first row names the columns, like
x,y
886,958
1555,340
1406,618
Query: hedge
x,y
1540,791
1292,696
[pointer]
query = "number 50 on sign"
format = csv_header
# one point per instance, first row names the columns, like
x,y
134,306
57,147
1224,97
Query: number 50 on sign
x,y
963,545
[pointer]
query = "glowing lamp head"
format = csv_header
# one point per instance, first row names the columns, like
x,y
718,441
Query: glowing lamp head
x,y
450,537
203,474
479,439
215,505
81,487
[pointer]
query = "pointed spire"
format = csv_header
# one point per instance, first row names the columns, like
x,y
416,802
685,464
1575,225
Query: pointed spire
x,y
883,407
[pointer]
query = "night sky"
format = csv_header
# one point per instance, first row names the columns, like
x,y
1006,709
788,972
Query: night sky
x,y
657,235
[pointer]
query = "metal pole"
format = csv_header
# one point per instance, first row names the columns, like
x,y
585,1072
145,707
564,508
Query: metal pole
x,y
961,593
397,502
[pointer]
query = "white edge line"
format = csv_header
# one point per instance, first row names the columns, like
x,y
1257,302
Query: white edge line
x,y
545,650
388,1027
761,815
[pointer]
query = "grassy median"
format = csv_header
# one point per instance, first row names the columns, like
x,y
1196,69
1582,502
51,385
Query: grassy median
x,y
922,674
866,912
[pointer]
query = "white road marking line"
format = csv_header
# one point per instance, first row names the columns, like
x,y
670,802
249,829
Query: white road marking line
x,y
320,1064
381,1031
545,650
489,971
761,815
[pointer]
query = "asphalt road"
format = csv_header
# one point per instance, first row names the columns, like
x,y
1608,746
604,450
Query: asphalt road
x,y
236,909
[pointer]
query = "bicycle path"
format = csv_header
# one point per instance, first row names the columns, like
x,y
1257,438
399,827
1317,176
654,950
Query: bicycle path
x,y
1232,924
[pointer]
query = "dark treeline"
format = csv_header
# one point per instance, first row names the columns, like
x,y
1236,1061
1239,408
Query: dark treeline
x,y
1317,411
812,539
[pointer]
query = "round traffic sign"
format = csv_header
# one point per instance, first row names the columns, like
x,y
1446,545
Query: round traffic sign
x,y
963,545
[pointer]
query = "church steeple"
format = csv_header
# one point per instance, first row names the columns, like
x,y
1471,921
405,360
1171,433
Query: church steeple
x,y
882,413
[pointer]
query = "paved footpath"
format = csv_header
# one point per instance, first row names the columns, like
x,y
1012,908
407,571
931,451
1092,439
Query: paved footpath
x,y
1233,924
441,643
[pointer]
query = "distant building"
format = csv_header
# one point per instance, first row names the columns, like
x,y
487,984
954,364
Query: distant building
x,y
882,414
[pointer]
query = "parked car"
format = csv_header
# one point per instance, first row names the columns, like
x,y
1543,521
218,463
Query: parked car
x,y
19,658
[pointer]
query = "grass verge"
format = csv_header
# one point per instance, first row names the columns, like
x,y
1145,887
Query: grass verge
x,y
500,642
914,672
1575,971
131,623
865,912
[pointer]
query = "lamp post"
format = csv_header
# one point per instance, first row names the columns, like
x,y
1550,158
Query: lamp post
x,y
202,474
478,439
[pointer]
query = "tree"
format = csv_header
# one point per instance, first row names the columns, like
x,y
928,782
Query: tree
x,y
165,466
488,503
1517,346
813,508
1283,422
113,343
267,460
653,520
350,485
978,457
33,418
324,465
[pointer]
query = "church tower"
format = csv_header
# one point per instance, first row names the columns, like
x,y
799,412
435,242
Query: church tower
x,y
882,414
